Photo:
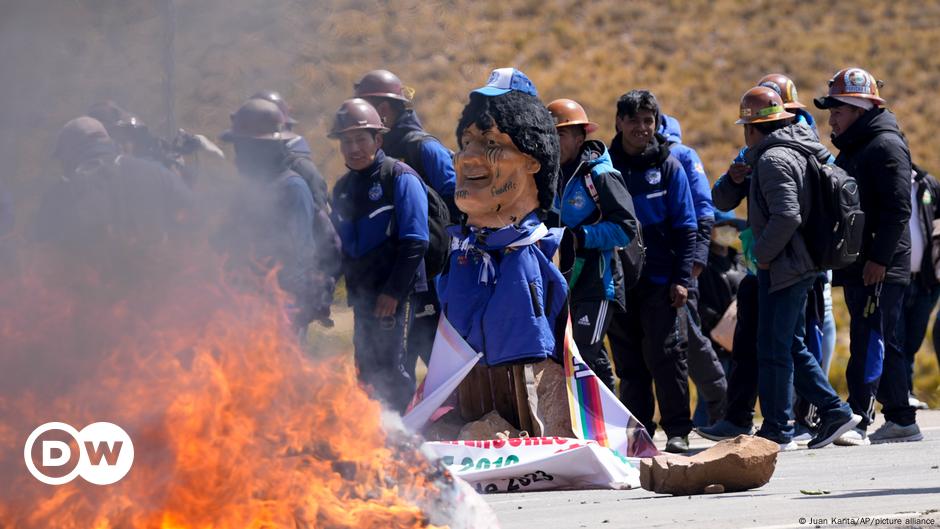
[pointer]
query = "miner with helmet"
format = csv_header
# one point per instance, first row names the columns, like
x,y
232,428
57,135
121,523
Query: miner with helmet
x,y
299,157
592,202
407,141
786,88
821,320
779,195
273,216
105,200
380,209
872,149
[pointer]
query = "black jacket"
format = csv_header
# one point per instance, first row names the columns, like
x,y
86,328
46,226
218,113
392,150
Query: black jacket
x,y
925,207
874,152
600,226
718,287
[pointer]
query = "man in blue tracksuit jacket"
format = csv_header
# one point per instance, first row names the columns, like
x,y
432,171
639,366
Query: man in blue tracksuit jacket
x,y
380,209
648,341
593,203
407,141
704,367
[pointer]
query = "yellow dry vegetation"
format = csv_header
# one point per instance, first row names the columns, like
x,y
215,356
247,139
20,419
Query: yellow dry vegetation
x,y
698,56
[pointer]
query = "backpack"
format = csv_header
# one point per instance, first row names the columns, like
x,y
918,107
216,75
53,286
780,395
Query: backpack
x,y
632,256
412,155
438,219
834,228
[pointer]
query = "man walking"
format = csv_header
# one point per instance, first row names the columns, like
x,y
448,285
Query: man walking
x,y
778,198
873,150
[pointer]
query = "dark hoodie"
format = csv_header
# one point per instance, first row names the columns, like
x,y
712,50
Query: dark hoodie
x,y
663,204
873,151
600,225
778,203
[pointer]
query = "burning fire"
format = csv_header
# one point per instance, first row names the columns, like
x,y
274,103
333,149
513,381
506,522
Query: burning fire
x,y
234,425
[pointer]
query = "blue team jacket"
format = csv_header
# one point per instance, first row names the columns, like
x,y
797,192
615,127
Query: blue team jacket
x,y
698,185
506,301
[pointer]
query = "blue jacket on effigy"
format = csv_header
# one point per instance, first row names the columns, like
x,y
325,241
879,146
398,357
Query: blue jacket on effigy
x,y
698,185
502,293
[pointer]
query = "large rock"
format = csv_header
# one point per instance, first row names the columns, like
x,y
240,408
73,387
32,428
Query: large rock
x,y
487,428
552,390
743,463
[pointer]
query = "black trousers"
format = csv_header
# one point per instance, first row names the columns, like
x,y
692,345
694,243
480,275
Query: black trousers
x,y
742,380
589,321
704,367
427,311
649,344
380,354
877,366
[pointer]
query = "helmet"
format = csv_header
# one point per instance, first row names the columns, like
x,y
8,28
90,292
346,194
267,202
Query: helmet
x,y
784,86
762,105
257,119
277,99
568,112
356,114
851,82
78,137
382,83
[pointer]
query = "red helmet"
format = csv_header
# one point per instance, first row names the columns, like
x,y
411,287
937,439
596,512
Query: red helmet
x,y
784,86
257,119
568,112
382,83
851,82
761,105
356,114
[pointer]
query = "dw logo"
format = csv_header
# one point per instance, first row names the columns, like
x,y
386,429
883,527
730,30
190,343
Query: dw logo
x,y
101,453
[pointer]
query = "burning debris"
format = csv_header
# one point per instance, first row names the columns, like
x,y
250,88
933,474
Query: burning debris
x,y
233,424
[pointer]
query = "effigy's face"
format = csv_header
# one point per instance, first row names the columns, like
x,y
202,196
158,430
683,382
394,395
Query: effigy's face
x,y
495,180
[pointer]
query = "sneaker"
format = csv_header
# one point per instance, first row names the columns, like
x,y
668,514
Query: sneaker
x,y
788,447
853,437
678,444
830,431
722,430
917,404
803,434
891,432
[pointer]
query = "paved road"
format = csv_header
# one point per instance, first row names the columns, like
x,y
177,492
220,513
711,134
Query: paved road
x,y
896,481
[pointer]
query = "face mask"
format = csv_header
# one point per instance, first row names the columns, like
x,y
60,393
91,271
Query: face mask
x,y
725,236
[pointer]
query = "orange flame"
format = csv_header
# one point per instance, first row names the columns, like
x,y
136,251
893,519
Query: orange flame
x,y
234,424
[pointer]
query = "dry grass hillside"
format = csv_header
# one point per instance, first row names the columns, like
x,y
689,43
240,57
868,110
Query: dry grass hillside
x,y
699,56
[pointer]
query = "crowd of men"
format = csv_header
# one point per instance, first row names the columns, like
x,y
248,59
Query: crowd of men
x,y
383,227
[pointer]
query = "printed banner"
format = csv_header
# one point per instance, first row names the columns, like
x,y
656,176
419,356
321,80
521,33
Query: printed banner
x,y
596,413
536,463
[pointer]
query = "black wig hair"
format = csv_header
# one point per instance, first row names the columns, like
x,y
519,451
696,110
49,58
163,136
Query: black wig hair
x,y
530,125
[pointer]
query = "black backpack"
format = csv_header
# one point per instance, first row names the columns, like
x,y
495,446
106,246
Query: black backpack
x,y
438,219
633,255
834,228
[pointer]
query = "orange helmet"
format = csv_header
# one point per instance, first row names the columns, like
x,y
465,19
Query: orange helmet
x,y
761,105
851,82
568,112
784,86
356,114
